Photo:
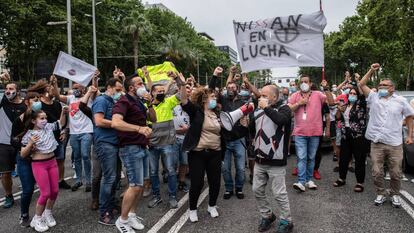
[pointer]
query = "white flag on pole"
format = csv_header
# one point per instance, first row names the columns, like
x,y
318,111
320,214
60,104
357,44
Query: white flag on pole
x,y
74,69
295,40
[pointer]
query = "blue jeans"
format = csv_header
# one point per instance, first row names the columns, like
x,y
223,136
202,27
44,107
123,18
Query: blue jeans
x,y
107,155
170,157
306,148
237,149
24,169
134,159
182,155
81,148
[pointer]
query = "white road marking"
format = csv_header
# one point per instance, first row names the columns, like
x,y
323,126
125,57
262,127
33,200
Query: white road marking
x,y
168,215
183,219
17,195
407,208
408,196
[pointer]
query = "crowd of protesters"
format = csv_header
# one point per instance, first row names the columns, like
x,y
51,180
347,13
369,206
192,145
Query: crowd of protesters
x,y
143,129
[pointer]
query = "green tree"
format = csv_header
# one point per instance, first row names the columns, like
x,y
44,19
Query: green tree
x,y
136,24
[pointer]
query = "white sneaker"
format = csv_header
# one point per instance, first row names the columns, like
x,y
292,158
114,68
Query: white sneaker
x,y
74,176
299,186
213,211
395,201
193,216
50,220
135,221
387,176
380,200
311,185
404,178
123,227
39,224
412,180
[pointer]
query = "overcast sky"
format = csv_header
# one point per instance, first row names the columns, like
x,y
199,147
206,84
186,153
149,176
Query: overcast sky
x,y
215,17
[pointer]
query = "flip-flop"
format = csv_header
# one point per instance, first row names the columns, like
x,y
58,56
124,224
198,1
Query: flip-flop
x,y
358,188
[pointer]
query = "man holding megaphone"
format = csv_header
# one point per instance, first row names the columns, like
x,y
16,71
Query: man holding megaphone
x,y
272,121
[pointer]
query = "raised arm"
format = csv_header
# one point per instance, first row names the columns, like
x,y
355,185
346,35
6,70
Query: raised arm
x,y
183,90
149,82
232,72
61,98
63,117
363,83
251,87
328,93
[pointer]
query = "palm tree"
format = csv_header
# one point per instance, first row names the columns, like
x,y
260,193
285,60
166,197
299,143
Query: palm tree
x,y
136,24
175,47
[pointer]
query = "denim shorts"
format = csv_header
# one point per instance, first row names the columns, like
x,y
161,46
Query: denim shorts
x,y
182,155
135,160
60,151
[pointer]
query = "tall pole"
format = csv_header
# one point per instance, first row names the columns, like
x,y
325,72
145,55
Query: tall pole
x,y
95,56
198,70
69,27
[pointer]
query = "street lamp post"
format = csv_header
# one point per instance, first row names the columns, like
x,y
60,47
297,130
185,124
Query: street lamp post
x,y
95,56
69,27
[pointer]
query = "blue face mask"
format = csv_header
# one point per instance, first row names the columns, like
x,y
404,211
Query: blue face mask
x,y
382,92
292,90
212,104
346,91
244,93
116,96
36,106
225,93
352,99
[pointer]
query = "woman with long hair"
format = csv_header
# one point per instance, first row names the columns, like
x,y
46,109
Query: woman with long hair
x,y
353,118
204,143
39,143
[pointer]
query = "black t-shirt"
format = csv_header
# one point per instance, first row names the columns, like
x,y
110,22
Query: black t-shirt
x,y
53,112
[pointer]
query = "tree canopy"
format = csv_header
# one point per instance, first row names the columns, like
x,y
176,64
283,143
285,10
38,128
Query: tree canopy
x,y
32,46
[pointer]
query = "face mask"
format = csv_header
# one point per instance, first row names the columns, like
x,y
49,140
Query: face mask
x,y
225,93
160,97
116,96
334,89
382,92
292,89
77,93
10,95
212,104
41,123
36,106
244,93
304,87
346,91
141,92
352,99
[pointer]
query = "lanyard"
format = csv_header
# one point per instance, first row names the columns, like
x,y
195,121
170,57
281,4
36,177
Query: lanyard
x,y
304,106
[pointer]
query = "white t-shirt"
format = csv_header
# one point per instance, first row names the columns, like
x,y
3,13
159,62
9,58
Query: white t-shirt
x,y
180,118
47,142
78,122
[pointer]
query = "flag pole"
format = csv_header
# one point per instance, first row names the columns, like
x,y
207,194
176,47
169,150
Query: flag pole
x,y
323,67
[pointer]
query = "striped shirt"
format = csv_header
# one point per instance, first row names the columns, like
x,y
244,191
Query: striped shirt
x,y
47,142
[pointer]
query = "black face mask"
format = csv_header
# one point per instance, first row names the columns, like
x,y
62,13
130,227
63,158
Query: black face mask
x,y
77,93
160,97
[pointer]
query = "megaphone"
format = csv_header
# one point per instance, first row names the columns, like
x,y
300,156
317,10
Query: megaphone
x,y
228,119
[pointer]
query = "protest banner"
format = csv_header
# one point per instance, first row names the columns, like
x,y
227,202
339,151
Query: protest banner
x,y
74,69
158,73
294,40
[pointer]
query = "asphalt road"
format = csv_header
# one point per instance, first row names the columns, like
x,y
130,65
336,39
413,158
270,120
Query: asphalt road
x,y
327,209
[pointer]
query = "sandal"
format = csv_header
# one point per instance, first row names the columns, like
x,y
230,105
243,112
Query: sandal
x,y
339,183
359,188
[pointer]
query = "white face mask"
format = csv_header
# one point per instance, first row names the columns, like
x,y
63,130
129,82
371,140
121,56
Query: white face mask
x,y
141,92
304,87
